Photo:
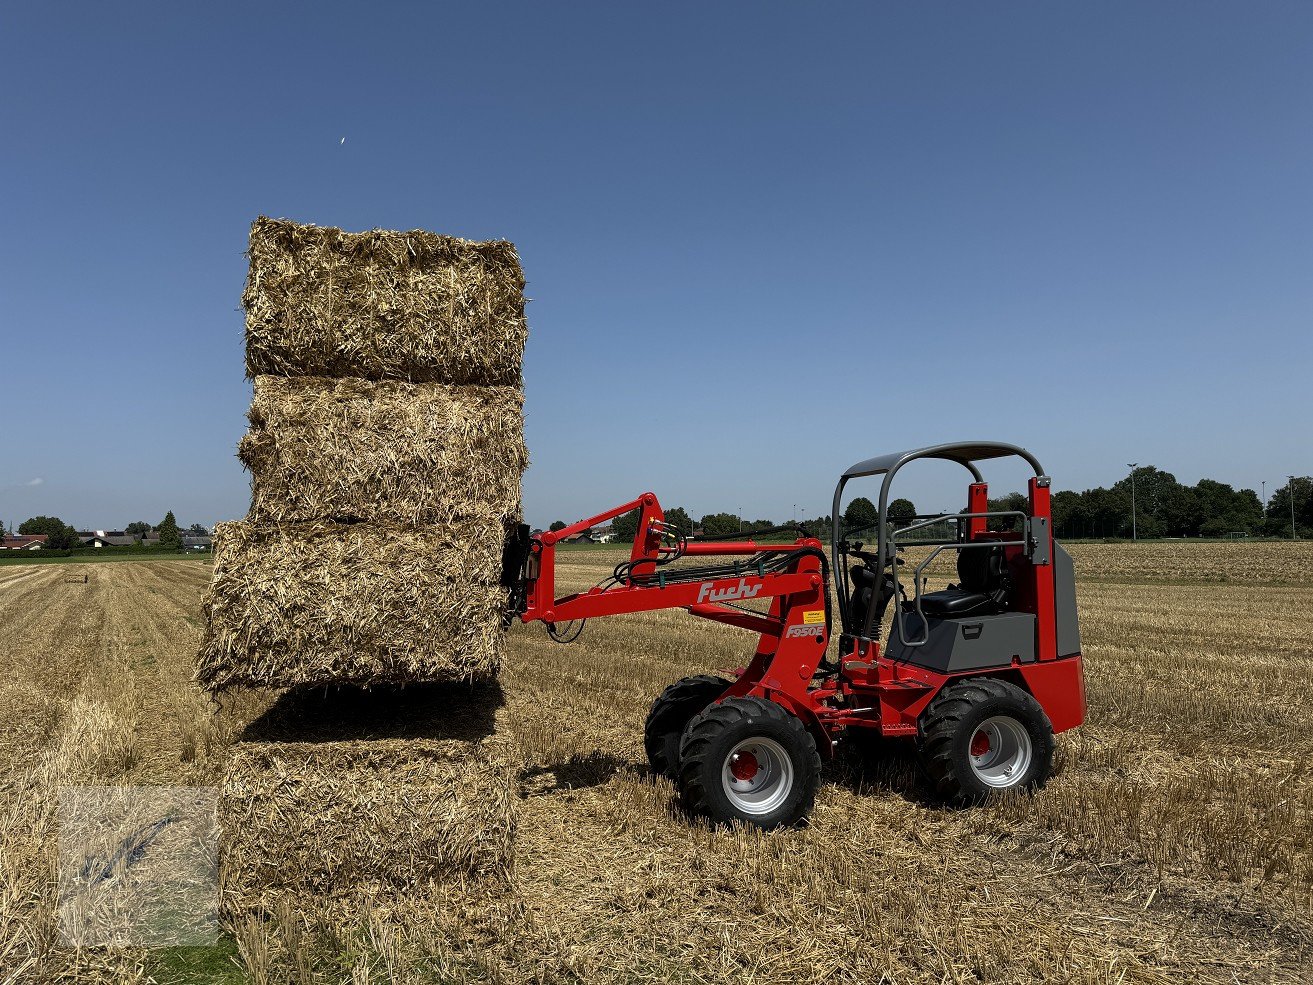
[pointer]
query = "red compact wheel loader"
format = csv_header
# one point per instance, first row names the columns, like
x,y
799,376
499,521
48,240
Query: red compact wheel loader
x,y
979,675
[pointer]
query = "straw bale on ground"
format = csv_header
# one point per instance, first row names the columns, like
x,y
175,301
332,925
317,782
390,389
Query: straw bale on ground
x,y
322,817
353,603
382,305
416,453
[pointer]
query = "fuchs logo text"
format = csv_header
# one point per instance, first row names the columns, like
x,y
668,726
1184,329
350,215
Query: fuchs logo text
x,y
740,591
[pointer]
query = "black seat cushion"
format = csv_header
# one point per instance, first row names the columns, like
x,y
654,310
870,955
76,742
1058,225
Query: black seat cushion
x,y
953,603
984,587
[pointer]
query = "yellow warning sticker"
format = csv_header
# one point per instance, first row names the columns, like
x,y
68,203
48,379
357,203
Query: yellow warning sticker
x,y
814,617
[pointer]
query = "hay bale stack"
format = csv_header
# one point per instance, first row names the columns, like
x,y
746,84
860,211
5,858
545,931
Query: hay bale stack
x,y
417,453
386,450
317,819
365,603
382,305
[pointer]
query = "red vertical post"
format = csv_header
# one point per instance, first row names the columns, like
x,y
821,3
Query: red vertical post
x,y
1046,623
977,502
544,587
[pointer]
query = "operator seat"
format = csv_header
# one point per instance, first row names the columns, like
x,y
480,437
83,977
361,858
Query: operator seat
x,y
983,586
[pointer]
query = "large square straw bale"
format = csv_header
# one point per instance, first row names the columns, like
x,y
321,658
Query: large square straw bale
x,y
359,603
382,305
352,449
318,818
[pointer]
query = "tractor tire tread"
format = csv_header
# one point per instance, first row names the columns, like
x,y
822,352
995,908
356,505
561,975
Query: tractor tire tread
x,y
668,715
941,728
704,729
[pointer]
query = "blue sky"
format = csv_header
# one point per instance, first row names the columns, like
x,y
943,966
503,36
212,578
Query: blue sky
x,y
763,241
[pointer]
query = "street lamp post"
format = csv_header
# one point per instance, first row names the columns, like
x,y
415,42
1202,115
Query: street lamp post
x,y
1293,534
1135,534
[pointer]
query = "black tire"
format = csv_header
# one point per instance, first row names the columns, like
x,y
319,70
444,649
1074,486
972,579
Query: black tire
x,y
1017,750
670,713
786,767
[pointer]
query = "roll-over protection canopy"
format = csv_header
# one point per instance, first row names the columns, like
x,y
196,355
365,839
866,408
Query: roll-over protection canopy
x,y
965,453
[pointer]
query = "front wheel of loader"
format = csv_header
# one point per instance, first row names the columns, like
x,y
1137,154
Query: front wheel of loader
x,y
750,760
981,737
670,713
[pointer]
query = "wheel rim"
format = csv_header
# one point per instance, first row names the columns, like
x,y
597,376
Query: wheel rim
x,y
1000,751
757,776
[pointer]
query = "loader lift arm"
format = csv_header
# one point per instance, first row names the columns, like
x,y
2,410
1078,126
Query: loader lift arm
x,y
793,576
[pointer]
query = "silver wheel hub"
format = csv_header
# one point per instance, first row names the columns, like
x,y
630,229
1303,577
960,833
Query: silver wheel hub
x,y
757,776
1000,752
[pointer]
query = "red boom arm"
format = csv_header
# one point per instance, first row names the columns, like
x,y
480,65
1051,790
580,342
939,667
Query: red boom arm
x,y
797,589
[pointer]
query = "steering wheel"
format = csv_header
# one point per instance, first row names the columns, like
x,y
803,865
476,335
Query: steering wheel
x,y
872,560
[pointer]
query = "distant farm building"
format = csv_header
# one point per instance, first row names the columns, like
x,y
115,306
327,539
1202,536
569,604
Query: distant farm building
x,y
121,538
23,542
106,538
593,535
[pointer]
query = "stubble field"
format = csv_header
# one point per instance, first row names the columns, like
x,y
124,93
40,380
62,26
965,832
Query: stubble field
x,y
1175,841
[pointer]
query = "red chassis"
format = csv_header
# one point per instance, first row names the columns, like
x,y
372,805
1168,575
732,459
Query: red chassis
x,y
868,690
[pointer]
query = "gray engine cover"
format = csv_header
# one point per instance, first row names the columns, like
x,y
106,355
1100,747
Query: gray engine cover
x,y
968,644
1064,602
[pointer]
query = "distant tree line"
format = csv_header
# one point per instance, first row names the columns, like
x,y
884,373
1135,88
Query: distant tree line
x,y
862,514
1166,508
1163,507
61,536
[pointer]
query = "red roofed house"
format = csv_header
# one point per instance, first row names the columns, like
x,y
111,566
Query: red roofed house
x,y
23,542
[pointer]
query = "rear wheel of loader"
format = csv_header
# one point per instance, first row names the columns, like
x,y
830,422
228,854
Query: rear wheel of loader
x,y
982,737
749,759
670,713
